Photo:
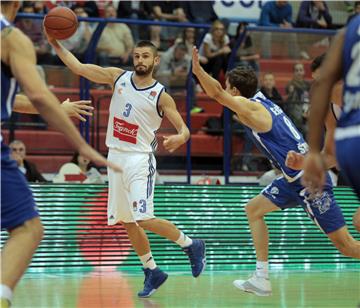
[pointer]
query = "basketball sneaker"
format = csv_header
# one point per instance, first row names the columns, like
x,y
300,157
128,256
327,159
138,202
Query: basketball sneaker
x,y
257,285
197,256
153,280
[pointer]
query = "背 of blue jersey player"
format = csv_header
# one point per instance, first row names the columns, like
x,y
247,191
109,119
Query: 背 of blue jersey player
x,y
275,135
342,62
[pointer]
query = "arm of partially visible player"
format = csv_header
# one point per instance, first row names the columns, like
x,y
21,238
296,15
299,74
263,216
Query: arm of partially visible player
x,y
251,114
331,69
21,58
76,109
168,106
328,152
92,72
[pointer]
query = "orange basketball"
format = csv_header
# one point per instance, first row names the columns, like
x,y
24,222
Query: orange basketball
x,y
60,23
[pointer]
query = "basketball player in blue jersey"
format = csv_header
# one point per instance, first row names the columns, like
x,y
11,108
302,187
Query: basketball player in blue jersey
x,y
19,215
342,61
137,107
275,135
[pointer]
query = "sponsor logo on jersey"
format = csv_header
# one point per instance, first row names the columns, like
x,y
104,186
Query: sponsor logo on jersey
x,y
152,95
125,131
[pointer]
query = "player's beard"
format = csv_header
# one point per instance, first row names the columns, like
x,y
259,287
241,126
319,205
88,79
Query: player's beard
x,y
143,71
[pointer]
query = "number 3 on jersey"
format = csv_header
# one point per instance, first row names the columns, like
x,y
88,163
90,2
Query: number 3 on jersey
x,y
128,108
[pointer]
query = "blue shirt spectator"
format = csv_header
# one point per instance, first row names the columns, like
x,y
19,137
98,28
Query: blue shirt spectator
x,y
314,14
276,14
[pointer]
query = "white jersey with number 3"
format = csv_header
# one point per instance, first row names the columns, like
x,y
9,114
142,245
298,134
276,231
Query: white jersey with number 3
x,y
134,116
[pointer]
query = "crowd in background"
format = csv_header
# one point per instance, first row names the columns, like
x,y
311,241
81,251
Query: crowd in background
x,y
117,41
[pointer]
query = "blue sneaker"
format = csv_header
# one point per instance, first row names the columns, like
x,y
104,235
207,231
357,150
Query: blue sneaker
x,y
197,256
153,280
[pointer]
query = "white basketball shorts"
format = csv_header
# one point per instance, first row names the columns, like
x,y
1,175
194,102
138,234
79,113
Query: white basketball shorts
x,y
131,192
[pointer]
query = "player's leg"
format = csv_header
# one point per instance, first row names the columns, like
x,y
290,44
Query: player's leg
x,y
326,213
141,187
274,197
194,248
19,216
345,243
346,154
356,219
18,251
127,204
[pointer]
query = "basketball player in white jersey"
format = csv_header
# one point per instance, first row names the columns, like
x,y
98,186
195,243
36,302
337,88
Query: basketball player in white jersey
x,y
137,107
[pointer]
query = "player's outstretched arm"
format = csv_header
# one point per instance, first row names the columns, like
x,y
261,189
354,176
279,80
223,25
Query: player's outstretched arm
x,y
251,114
20,55
168,107
92,72
76,109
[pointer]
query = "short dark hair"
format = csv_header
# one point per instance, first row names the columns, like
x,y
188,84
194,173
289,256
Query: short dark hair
x,y
244,79
145,43
316,63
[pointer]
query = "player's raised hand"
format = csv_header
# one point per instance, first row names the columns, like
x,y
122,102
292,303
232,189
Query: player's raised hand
x,y
52,41
171,143
78,109
314,173
88,152
294,160
195,61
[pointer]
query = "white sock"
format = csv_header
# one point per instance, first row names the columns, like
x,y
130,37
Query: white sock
x,y
148,261
262,269
184,240
5,292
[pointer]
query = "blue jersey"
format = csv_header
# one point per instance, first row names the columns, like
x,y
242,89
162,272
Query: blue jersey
x,y
351,75
282,138
9,85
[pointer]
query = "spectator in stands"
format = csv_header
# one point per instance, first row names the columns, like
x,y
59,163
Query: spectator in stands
x,y
78,43
80,170
277,14
18,153
166,11
297,102
33,29
116,42
356,11
245,55
215,47
188,38
269,89
314,14
174,66
40,7
131,10
200,11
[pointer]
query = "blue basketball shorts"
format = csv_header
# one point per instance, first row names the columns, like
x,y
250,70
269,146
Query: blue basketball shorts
x,y
323,210
17,202
347,151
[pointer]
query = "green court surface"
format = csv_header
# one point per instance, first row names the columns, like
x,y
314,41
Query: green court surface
x,y
107,289
82,262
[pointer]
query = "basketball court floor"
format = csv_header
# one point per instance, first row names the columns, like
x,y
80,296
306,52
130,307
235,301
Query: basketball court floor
x,y
110,288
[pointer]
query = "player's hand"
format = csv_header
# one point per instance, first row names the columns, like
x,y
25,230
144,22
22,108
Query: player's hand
x,y
195,61
77,109
171,143
52,41
314,173
88,152
294,160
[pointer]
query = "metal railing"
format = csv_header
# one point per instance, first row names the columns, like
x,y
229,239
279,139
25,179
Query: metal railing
x,y
90,53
